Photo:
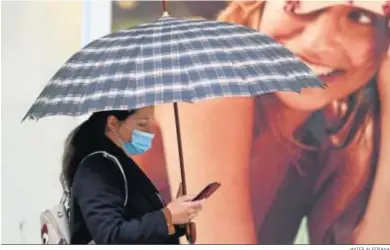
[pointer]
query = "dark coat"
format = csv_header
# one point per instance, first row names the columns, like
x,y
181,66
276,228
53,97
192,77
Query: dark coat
x,y
97,211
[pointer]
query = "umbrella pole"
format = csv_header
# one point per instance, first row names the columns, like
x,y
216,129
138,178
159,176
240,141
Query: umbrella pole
x,y
180,148
190,228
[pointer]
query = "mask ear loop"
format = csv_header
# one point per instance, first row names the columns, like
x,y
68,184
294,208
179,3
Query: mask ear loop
x,y
120,137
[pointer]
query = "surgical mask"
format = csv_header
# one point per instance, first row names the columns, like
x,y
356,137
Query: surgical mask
x,y
140,142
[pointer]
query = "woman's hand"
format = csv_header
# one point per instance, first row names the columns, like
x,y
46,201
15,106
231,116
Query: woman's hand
x,y
183,209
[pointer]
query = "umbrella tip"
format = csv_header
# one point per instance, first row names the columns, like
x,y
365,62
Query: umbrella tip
x,y
164,5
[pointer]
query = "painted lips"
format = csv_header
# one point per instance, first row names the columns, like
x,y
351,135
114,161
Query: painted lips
x,y
326,74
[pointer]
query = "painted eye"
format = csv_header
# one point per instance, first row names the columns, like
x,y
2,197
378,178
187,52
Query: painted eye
x,y
361,17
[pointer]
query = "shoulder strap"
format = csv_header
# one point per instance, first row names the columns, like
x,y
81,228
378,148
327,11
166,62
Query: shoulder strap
x,y
66,194
116,161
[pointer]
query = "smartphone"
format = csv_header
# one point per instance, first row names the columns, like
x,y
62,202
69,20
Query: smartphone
x,y
207,191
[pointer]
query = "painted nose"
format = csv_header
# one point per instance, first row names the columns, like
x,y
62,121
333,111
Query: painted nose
x,y
321,36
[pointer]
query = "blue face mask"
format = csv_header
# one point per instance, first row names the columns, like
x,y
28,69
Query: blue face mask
x,y
139,143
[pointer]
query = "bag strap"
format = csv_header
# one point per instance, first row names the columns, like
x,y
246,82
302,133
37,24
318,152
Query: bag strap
x,y
65,199
114,159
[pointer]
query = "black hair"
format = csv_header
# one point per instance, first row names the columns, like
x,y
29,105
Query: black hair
x,y
85,139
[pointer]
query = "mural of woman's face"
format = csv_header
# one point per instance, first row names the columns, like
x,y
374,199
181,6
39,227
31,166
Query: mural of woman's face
x,y
342,44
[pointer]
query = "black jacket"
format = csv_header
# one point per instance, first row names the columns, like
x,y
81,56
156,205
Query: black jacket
x,y
98,194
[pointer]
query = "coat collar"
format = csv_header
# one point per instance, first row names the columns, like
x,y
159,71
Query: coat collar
x,y
136,178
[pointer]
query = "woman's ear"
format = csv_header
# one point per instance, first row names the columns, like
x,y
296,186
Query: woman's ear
x,y
112,123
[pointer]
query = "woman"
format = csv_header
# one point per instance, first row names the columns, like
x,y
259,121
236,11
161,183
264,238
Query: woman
x,y
98,187
319,154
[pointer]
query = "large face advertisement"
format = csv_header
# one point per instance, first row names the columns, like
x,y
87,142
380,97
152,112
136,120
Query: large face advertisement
x,y
294,168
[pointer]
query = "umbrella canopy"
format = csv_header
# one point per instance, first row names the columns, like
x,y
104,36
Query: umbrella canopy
x,y
171,60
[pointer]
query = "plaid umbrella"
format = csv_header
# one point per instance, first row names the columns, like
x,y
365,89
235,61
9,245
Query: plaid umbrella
x,y
171,60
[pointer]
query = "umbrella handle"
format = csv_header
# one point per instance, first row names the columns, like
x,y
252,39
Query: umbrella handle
x,y
180,148
191,233
191,227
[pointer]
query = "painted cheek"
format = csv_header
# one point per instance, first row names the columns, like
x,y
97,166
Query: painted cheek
x,y
361,54
274,19
283,33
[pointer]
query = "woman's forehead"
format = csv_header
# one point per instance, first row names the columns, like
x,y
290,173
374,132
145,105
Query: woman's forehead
x,y
145,113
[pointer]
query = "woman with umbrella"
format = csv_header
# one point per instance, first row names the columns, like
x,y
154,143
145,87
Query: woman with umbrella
x,y
98,190
322,154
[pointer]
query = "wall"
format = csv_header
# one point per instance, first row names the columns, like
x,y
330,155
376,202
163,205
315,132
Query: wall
x,y
37,37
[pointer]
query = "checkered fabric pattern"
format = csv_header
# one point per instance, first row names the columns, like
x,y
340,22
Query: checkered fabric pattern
x,y
171,60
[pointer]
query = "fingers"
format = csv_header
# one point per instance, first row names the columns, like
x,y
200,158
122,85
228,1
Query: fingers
x,y
186,198
192,216
189,198
194,209
196,205
192,213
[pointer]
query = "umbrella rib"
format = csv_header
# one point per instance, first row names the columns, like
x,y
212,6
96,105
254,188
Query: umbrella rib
x,y
191,89
135,56
38,115
292,79
81,104
234,67
177,117
277,69
76,104
228,56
